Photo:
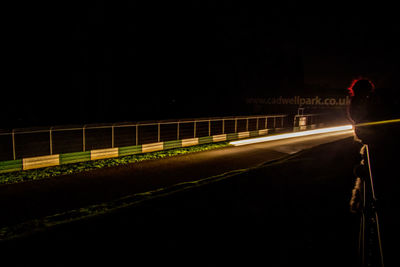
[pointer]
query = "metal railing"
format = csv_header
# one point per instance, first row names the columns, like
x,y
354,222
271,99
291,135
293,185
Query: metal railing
x,y
23,143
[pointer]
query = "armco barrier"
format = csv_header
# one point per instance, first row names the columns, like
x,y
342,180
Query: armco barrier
x,y
229,128
39,162
75,157
53,160
25,143
11,165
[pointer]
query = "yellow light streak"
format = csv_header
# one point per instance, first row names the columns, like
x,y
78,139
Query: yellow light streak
x,y
344,128
377,122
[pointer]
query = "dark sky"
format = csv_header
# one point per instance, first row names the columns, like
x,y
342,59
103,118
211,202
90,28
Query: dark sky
x,y
343,41
107,61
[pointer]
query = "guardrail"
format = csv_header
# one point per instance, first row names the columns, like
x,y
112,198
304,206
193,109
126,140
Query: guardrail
x,y
33,148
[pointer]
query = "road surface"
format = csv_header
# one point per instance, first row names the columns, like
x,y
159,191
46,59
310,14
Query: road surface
x,y
35,199
286,214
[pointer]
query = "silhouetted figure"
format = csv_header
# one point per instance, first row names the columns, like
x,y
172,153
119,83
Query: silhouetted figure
x,y
372,112
370,105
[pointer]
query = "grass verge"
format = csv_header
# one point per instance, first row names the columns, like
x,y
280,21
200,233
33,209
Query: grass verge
x,y
43,173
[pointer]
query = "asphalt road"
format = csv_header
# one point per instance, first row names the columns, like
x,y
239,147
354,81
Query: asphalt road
x,y
287,214
295,212
35,199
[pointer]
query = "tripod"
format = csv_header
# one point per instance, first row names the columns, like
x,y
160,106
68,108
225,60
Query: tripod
x,y
369,243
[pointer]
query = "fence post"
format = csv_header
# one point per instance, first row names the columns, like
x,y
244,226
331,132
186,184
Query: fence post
x,y
13,143
235,125
194,135
112,136
223,126
247,124
137,134
51,141
274,122
158,133
266,122
177,131
209,127
282,121
257,124
84,138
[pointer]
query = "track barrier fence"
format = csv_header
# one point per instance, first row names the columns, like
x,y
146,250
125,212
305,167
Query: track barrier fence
x,y
22,149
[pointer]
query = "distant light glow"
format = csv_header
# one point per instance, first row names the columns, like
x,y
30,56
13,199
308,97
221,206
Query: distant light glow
x,y
347,128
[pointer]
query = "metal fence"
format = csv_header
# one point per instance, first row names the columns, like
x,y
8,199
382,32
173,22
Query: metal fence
x,y
23,143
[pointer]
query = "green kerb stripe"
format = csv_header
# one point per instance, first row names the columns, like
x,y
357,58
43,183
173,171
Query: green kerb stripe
x,y
173,144
11,165
129,150
253,133
74,157
205,140
232,136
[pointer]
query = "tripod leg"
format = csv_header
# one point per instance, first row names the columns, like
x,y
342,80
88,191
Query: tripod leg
x,y
362,227
374,228
361,240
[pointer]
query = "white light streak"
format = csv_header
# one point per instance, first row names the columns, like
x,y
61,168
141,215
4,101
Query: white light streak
x,y
344,128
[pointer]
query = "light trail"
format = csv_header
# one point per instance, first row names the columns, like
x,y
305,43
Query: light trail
x,y
377,122
344,129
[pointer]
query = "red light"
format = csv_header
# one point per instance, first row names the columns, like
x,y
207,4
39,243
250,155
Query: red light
x,y
351,91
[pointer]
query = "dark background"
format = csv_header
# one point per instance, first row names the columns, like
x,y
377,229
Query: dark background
x,y
103,61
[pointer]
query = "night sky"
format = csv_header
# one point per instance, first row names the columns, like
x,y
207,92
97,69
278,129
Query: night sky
x,y
128,61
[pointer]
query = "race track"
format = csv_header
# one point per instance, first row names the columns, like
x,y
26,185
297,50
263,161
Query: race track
x,y
34,199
